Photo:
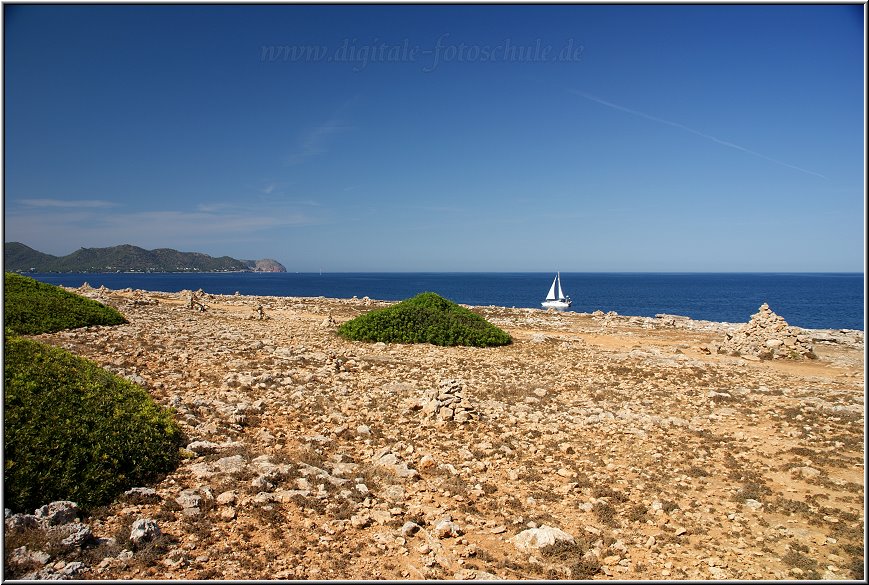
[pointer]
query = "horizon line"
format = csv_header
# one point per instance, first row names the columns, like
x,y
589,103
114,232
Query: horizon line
x,y
325,273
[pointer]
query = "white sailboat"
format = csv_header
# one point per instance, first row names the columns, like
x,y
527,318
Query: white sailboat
x,y
559,300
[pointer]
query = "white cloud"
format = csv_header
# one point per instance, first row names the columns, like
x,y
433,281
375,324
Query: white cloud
x,y
74,203
57,231
215,207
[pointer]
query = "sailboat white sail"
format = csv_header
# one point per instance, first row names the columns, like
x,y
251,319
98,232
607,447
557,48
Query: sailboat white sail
x,y
561,301
551,296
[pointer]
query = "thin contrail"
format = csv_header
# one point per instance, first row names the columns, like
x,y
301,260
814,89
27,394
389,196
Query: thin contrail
x,y
693,131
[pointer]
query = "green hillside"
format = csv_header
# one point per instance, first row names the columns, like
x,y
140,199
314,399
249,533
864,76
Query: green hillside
x,y
20,258
127,258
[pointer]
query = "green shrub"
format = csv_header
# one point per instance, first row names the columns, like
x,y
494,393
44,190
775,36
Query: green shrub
x,y
31,307
425,318
74,431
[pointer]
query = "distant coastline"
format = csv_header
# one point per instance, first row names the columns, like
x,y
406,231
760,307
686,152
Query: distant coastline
x,y
128,259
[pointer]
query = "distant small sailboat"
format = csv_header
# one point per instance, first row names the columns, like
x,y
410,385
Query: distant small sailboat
x,y
559,301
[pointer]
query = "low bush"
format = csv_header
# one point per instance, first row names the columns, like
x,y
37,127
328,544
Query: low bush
x,y
425,318
31,307
74,431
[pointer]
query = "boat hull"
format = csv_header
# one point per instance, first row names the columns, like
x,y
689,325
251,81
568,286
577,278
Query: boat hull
x,y
555,304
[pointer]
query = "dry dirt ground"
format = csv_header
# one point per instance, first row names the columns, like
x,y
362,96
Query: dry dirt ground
x,y
314,456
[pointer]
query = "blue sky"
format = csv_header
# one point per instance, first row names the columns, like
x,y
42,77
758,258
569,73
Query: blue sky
x,y
473,138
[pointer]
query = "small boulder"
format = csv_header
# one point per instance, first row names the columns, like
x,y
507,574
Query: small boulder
x,y
71,570
203,447
78,535
21,522
227,498
142,495
409,529
446,529
61,512
536,538
144,530
231,465
189,499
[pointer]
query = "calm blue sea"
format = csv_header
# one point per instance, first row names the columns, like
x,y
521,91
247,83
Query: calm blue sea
x,y
822,300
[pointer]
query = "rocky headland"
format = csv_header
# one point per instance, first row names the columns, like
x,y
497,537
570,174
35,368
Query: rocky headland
x,y
595,446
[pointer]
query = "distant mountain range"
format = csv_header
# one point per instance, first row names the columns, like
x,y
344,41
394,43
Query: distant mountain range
x,y
126,258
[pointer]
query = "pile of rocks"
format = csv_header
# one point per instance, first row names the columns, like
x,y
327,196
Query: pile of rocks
x,y
768,336
447,402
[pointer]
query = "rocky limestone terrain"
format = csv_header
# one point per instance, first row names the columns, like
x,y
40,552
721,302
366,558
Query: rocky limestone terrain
x,y
595,446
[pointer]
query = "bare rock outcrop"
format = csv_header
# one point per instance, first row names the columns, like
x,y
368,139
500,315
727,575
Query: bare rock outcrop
x,y
265,265
54,526
536,538
768,336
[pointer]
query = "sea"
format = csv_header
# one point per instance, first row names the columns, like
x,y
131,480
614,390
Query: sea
x,y
809,300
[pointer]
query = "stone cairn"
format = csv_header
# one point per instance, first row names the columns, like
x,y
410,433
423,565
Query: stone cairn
x,y
447,402
768,336
193,300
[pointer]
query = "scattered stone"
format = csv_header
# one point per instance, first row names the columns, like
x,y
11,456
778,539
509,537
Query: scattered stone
x,y
362,520
393,493
391,461
556,430
141,495
23,556
231,465
447,529
144,530
448,403
203,447
61,512
189,498
262,484
21,522
536,538
73,569
227,498
78,535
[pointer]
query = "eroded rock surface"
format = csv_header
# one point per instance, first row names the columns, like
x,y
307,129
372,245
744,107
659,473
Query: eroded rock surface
x,y
309,456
